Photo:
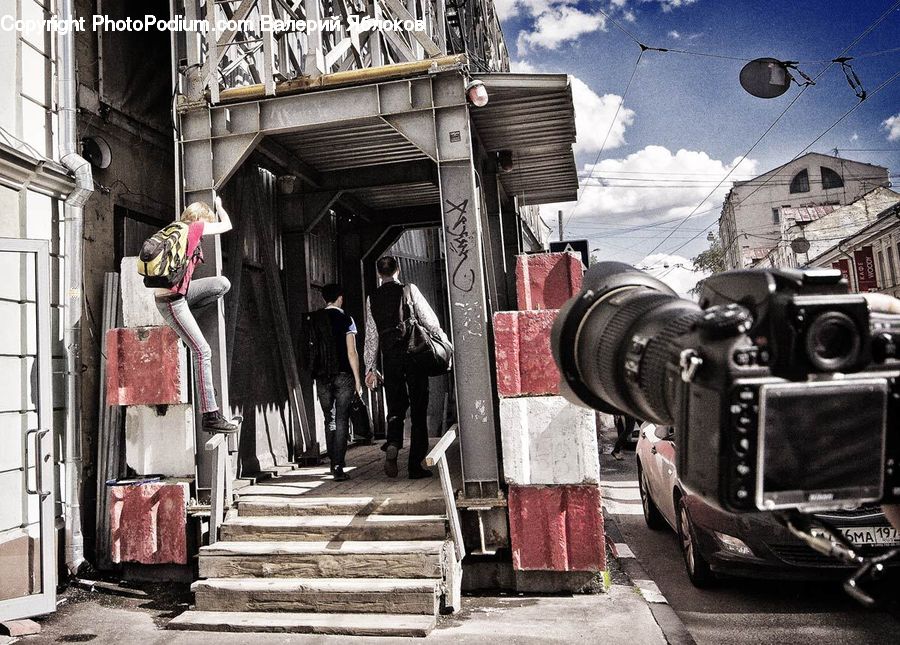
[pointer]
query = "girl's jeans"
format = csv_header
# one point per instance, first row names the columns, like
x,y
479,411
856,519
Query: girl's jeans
x,y
202,292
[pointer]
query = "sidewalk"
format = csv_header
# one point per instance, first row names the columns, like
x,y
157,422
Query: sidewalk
x,y
620,615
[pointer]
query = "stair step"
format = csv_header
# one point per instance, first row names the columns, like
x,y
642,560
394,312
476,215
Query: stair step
x,y
348,559
335,527
306,623
336,595
267,505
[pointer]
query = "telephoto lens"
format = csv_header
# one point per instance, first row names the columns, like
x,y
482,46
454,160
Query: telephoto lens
x,y
616,343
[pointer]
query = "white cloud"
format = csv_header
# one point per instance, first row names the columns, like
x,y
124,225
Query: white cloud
x,y
558,25
645,188
892,125
668,5
854,138
522,67
654,183
674,34
593,114
506,8
674,270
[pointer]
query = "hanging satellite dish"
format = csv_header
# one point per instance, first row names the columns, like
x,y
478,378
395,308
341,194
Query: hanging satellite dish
x,y
765,78
800,245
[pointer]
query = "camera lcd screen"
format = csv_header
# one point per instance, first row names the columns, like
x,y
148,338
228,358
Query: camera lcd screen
x,y
821,443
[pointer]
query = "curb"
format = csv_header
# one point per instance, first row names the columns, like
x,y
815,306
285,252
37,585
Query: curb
x,y
672,628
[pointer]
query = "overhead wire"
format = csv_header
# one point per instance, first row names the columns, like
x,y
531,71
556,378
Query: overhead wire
x,y
803,89
612,124
856,106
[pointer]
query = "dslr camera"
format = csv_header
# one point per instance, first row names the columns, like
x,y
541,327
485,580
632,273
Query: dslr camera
x,y
781,385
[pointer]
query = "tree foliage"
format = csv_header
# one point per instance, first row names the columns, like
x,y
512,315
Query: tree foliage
x,y
712,260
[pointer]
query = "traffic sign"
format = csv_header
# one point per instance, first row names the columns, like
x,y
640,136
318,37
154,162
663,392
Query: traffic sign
x,y
573,246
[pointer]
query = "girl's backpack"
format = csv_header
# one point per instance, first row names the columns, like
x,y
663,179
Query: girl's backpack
x,y
163,259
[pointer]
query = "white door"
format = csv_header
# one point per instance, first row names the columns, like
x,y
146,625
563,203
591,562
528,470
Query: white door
x,y
27,497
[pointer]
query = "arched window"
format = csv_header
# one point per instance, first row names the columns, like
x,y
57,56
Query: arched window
x,y
830,179
800,182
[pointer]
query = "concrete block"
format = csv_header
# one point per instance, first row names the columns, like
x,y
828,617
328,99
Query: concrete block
x,y
20,628
138,304
547,280
525,365
159,440
148,523
556,528
547,440
145,366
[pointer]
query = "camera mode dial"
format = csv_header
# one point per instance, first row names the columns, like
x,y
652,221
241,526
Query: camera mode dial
x,y
721,321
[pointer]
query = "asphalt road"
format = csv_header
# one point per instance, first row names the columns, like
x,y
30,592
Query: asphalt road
x,y
736,610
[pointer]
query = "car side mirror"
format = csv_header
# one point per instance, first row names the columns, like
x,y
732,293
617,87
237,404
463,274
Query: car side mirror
x,y
665,432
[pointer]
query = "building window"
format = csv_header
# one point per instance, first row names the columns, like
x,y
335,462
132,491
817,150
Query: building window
x,y
776,216
890,261
800,182
830,179
882,274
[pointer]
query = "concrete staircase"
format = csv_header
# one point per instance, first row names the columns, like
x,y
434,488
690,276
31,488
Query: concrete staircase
x,y
357,566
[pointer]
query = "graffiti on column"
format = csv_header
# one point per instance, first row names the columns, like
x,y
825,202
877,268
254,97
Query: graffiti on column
x,y
462,275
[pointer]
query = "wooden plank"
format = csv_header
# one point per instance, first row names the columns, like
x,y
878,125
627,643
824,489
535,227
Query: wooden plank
x,y
282,331
397,625
438,451
220,469
110,458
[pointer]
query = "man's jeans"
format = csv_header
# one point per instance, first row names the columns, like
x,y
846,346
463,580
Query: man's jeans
x,y
407,389
335,395
177,314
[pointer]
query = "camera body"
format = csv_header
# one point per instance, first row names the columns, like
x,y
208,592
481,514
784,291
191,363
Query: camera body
x,y
801,408
782,387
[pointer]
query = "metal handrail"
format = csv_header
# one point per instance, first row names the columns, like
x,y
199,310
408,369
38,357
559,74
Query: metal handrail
x,y
437,457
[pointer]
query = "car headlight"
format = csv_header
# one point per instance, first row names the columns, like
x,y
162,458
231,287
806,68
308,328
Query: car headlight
x,y
732,544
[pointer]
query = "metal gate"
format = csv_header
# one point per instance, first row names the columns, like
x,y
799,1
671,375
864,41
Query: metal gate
x,y
27,487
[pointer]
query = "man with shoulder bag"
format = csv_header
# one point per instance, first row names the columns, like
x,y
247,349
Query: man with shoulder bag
x,y
402,326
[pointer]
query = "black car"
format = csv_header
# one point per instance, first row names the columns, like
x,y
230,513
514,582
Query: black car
x,y
747,544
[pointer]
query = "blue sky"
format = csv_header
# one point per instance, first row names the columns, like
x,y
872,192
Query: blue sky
x,y
686,121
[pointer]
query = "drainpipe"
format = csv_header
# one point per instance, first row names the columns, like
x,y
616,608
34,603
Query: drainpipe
x,y
73,210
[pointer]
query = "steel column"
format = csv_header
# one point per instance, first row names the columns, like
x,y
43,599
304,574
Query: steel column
x,y
460,208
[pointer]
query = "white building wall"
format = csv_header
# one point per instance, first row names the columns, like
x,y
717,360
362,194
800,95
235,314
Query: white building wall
x,y
28,126
748,221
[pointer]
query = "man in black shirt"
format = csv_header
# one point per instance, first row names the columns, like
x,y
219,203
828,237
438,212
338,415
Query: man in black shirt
x,y
388,311
334,363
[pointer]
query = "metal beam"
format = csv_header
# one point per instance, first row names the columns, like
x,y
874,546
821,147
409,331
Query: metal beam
x,y
406,172
461,215
287,160
316,206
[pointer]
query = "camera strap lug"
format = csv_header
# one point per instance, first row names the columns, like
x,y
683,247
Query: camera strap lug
x,y
690,362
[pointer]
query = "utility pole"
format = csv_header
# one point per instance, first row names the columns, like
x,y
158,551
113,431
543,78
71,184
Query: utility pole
x,y
559,214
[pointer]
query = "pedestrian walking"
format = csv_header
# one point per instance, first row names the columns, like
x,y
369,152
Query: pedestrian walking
x,y
624,427
334,363
389,311
179,244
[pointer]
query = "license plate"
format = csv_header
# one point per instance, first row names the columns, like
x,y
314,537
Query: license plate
x,y
869,535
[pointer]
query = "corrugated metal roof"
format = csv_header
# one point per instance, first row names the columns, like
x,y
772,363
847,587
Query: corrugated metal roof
x,y
807,213
351,145
531,115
